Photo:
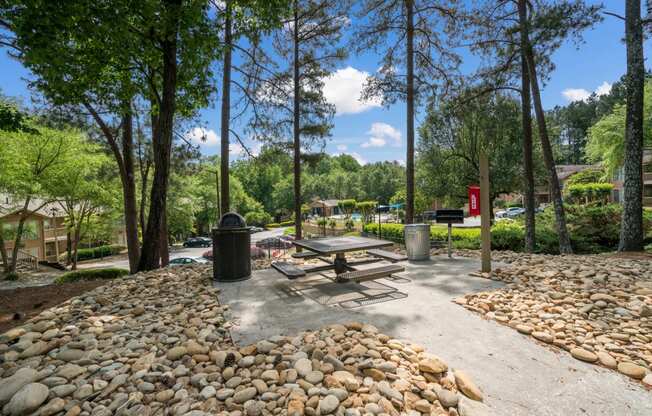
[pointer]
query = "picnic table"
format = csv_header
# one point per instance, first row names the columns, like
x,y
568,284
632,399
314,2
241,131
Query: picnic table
x,y
339,246
345,271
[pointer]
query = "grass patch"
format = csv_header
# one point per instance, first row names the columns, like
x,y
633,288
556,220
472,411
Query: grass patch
x,y
92,274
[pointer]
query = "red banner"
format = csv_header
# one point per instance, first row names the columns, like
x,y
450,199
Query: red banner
x,y
474,201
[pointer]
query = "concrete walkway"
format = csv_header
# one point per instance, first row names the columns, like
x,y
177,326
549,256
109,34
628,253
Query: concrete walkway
x,y
518,376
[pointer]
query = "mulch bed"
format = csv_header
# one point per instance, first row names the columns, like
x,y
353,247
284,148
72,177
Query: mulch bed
x,y
18,305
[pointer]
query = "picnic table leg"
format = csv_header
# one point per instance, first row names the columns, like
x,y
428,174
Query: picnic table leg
x,y
340,263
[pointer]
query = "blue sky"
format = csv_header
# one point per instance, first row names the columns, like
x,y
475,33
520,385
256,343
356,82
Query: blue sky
x,y
370,132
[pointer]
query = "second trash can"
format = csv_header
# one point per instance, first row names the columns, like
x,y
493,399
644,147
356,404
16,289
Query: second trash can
x,y
417,241
231,249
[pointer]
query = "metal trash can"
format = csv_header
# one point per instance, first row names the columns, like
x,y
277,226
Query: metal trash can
x,y
417,241
231,249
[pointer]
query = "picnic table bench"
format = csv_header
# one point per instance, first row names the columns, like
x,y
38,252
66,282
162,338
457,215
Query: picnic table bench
x,y
369,274
387,255
344,271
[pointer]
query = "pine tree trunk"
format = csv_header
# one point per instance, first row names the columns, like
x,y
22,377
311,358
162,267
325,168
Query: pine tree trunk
x,y
162,144
125,161
409,159
3,250
555,189
75,245
631,231
165,244
129,191
297,127
143,199
226,114
528,164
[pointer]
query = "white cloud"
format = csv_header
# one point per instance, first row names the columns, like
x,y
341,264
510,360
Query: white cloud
x,y
576,94
343,89
580,94
359,158
342,147
603,89
236,149
202,137
380,134
374,142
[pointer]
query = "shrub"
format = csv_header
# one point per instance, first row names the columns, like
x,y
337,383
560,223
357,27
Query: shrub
x,y
286,223
96,252
272,225
92,274
507,235
594,175
592,228
289,231
585,193
258,218
349,225
332,224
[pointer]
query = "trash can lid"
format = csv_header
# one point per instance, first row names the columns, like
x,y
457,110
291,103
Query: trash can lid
x,y
232,220
417,226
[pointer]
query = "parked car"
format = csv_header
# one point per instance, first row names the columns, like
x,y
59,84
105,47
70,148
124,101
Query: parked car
x,y
180,261
197,242
514,212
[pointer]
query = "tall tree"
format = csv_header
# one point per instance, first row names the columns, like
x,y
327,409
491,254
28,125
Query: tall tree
x,y
243,22
631,231
517,34
309,43
395,27
225,120
553,180
528,161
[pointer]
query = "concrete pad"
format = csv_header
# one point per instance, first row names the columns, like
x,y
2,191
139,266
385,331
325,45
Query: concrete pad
x,y
518,375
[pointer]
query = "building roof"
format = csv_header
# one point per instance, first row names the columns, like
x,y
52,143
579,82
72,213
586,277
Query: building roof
x,y
566,171
318,203
38,206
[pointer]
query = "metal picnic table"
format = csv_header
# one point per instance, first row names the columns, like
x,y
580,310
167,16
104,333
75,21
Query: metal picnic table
x,y
339,246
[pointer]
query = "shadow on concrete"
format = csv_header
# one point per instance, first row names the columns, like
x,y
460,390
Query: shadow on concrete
x,y
518,376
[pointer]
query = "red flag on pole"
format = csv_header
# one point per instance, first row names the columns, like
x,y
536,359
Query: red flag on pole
x,y
474,200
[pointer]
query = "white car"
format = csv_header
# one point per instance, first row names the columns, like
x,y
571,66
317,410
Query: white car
x,y
180,261
514,212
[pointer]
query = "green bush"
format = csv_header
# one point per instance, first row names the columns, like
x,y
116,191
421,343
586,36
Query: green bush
x,y
289,231
91,274
586,193
258,218
272,225
592,228
96,252
286,223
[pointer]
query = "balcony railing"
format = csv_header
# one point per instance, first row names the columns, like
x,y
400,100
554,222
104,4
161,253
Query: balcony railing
x,y
647,177
52,232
